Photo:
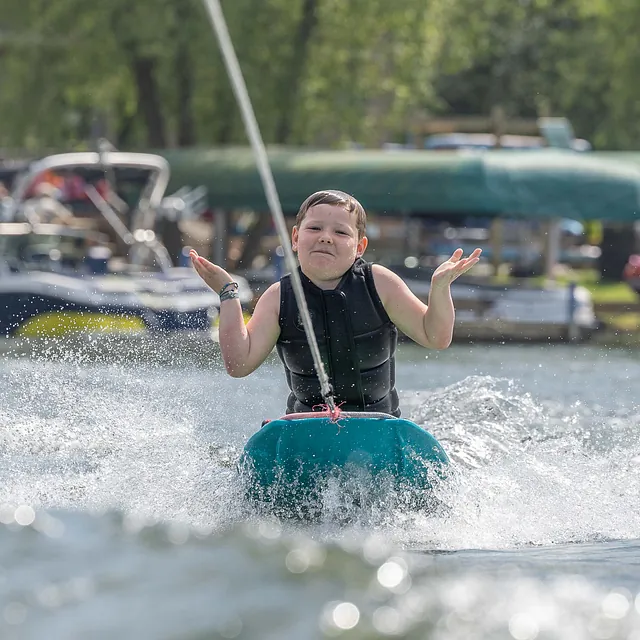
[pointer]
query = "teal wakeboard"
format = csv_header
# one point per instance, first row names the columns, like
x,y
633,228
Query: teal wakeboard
x,y
289,463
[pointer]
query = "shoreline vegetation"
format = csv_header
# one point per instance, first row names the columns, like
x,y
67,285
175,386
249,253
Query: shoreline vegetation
x,y
621,322
380,65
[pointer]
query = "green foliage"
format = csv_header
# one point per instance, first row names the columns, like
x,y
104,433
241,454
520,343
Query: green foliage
x,y
320,72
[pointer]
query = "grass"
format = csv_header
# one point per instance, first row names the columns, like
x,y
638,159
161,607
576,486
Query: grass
x,y
612,292
621,321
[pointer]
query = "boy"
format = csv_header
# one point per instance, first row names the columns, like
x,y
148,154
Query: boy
x,y
355,308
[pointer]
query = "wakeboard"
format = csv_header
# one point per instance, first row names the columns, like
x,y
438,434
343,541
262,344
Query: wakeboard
x,y
289,462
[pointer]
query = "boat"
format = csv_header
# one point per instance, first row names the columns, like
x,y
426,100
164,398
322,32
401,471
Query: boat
x,y
520,311
291,464
80,250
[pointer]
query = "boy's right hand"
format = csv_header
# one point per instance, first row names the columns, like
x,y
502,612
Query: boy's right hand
x,y
213,275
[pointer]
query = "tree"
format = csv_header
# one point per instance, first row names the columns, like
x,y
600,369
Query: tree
x,y
320,72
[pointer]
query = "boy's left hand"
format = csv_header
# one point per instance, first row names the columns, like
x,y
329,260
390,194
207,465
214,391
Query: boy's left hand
x,y
453,268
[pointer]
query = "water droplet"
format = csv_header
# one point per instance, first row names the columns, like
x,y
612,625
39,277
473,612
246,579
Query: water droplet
x,y
392,573
346,615
24,515
523,627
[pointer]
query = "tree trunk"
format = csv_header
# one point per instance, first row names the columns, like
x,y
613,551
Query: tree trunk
x,y
184,75
149,103
143,71
293,79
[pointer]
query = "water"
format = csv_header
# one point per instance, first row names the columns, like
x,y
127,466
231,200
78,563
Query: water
x,y
121,514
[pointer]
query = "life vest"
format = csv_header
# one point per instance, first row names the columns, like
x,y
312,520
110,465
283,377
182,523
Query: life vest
x,y
356,339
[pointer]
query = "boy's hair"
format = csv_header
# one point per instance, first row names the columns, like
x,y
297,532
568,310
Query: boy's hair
x,y
339,199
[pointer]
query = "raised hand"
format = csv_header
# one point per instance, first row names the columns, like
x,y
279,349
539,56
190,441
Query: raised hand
x,y
213,275
453,268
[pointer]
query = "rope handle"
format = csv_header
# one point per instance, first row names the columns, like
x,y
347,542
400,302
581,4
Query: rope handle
x,y
332,410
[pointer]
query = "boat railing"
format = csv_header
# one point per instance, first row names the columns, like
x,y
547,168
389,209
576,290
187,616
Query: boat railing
x,y
137,237
135,240
186,203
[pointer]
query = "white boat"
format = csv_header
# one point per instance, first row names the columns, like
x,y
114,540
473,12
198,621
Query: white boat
x,y
514,312
99,266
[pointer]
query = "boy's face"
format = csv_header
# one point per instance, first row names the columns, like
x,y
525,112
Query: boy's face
x,y
327,242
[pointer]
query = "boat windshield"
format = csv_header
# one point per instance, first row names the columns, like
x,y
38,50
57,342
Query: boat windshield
x,y
122,187
56,249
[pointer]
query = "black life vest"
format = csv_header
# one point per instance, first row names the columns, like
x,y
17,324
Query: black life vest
x,y
356,338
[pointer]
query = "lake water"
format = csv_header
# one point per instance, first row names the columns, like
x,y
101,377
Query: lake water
x,y
121,514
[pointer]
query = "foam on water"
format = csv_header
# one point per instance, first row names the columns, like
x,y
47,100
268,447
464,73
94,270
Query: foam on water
x,y
528,473
91,433
111,436
121,514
